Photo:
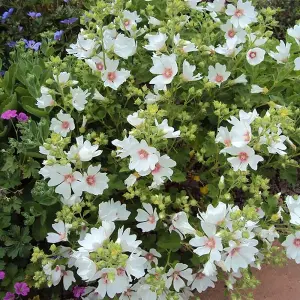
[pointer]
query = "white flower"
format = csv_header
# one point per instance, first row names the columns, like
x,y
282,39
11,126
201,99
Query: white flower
x,y
240,255
94,182
233,33
147,218
96,63
217,74
244,156
297,64
292,245
143,157
124,46
255,56
240,134
128,241
181,224
223,136
166,68
131,180
255,89
201,282
63,124
241,79
194,4
86,268
60,272
156,41
242,14
111,76
125,146
135,265
269,234
71,201
94,240
183,45
168,131
83,47
98,96
79,98
153,21
134,119
214,215
151,257
256,41
62,230
274,141
210,244
130,20
113,211
283,52
229,49
45,100
216,6
65,179
63,78
151,98
244,117
294,208
188,72
295,33
109,37
175,276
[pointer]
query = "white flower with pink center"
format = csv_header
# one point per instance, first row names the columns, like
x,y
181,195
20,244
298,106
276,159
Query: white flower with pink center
x,y
65,179
244,156
96,63
233,33
151,257
292,246
210,244
147,218
129,20
223,136
255,56
60,272
283,53
63,124
62,230
188,72
156,41
93,181
143,157
45,100
181,225
240,134
176,276
240,255
242,15
201,282
125,146
111,76
218,74
165,67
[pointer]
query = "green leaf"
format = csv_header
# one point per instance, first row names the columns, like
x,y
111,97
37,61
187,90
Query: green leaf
x,y
39,232
28,103
289,174
169,241
9,79
178,176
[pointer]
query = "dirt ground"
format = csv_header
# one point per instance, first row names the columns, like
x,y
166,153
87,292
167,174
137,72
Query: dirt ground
x,y
276,284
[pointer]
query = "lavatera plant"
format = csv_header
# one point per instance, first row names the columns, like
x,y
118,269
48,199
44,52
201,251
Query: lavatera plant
x,y
171,122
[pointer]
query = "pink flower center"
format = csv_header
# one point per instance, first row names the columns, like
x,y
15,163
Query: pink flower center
x,y
99,66
156,169
239,13
252,54
234,251
227,143
52,102
65,125
151,219
126,23
105,278
211,243
247,137
200,276
111,76
143,154
176,275
120,272
149,256
243,156
297,242
128,293
91,180
168,73
64,273
231,33
69,178
219,78
62,236
57,268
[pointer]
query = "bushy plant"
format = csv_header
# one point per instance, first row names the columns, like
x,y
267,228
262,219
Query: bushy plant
x,y
162,135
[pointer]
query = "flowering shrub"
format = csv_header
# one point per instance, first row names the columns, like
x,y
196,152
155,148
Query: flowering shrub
x,y
168,141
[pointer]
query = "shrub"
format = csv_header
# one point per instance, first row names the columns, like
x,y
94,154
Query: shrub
x,y
164,135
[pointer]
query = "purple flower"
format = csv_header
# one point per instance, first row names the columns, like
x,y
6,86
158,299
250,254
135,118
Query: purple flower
x,y
11,10
66,1
20,28
9,114
22,117
9,296
58,34
34,14
32,45
11,44
2,73
21,288
69,21
2,275
78,291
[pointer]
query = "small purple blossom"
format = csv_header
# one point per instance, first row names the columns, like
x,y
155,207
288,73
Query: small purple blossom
x,y
9,114
20,28
11,10
11,44
22,117
32,45
34,15
58,34
21,288
2,275
78,291
6,15
69,21
2,73
9,296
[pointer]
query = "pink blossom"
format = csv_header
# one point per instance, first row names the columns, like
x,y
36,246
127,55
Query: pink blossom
x,y
78,291
9,114
2,275
22,117
9,296
21,288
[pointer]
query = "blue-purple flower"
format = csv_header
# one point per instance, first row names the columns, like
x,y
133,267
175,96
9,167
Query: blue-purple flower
x,y
58,34
32,45
11,44
69,21
34,14
6,15
20,28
